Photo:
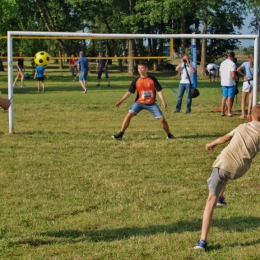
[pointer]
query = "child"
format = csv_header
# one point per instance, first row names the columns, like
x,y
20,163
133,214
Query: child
x,y
40,71
232,163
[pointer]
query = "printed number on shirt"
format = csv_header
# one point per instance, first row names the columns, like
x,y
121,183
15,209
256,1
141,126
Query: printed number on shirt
x,y
147,94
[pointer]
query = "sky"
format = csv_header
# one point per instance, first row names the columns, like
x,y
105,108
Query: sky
x,y
245,30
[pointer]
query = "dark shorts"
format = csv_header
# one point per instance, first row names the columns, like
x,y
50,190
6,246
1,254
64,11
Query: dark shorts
x,y
41,79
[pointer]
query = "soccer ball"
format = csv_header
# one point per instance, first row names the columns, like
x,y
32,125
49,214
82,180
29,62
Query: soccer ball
x,y
42,58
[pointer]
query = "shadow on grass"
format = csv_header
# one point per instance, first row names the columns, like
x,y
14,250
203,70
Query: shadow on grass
x,y
235,224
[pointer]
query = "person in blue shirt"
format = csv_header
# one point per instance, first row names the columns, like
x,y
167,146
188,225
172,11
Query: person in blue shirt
x,y
84,68
102,67
40,72
248,69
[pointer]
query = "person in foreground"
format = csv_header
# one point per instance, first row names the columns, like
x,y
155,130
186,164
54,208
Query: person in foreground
x,y
232,163
146,87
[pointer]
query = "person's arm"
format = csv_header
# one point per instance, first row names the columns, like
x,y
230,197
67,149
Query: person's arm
x,y
179,66
233,75
97,66
105,65
189,65
126,95
35,74
221,140
162,99
45,73
241,73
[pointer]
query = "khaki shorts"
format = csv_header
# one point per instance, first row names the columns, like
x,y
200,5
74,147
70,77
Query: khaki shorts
x,y
218,179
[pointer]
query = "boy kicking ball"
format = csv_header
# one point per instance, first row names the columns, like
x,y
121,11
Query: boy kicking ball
x,y
232,163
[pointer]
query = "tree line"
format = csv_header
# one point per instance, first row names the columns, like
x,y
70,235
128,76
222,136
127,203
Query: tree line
x,y
127,16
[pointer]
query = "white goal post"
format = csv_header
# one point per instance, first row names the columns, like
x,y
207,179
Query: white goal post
x,y
10,35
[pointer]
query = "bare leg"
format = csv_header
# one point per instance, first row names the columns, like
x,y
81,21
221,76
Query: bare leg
x,y
17,77
207,215
223,103
165,125
42,86
243,104
38,86
230,103
126,121
22,78
250,104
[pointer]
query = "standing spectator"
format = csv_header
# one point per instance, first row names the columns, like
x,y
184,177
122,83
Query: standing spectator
x,y
20,67
227,72
146,87
83,66
187,69
212,71
40,71
248,68
72,68
102,67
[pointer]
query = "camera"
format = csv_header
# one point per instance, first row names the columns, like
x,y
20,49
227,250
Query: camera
x,y
184,61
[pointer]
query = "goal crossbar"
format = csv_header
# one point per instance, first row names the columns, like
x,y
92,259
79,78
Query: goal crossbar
x,y
12,34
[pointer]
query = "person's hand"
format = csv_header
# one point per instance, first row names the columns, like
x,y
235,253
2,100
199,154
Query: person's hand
x,y
118,103
164,105
209,146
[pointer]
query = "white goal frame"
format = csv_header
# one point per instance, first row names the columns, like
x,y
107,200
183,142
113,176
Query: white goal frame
x,y
10,35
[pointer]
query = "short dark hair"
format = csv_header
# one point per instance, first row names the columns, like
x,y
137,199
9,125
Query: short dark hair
x,y
231,54
143,63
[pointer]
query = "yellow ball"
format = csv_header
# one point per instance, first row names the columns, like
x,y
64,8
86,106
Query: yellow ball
x,y
42,58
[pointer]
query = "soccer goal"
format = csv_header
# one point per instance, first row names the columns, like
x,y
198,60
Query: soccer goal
x,y
12,34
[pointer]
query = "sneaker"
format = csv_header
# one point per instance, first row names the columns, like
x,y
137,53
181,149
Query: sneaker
x,y
187,112
222,114
84,91
201,245
14,86
170,136
221,203
23,86
118,136
230,115
176,111
98,85
43,90
108,85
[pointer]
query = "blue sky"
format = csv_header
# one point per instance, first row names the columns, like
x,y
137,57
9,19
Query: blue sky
x,y
245,30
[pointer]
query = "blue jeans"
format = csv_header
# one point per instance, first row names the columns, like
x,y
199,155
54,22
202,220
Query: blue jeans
x,y
182,88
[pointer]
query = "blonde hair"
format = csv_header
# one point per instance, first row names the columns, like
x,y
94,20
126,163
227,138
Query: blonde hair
x,y
251,59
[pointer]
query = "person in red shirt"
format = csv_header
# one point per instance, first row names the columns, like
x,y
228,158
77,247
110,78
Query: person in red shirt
x,y
72,67
146,87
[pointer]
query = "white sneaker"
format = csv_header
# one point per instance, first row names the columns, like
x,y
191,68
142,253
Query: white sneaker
x,y
14,86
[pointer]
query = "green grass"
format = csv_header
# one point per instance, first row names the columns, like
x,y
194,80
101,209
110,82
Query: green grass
x,y
69,191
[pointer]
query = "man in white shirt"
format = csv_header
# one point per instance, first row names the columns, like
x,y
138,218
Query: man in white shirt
x,y
227,72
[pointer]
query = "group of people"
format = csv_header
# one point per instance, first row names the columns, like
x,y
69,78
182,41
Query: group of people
x,y
82,65
235,159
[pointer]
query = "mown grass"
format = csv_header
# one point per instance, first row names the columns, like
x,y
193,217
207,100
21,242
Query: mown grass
x,y
69,191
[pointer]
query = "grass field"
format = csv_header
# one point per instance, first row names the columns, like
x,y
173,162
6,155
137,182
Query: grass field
x,y
69,191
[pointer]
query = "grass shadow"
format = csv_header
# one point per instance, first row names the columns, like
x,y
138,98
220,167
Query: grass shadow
x,y
109,235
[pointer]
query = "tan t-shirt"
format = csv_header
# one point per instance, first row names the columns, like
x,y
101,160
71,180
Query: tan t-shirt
x,y
236,158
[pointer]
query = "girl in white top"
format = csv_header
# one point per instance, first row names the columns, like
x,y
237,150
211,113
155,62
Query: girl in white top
x,y
248,68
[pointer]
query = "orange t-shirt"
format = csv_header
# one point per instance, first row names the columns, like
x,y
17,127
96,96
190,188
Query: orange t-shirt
x,y
146,89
